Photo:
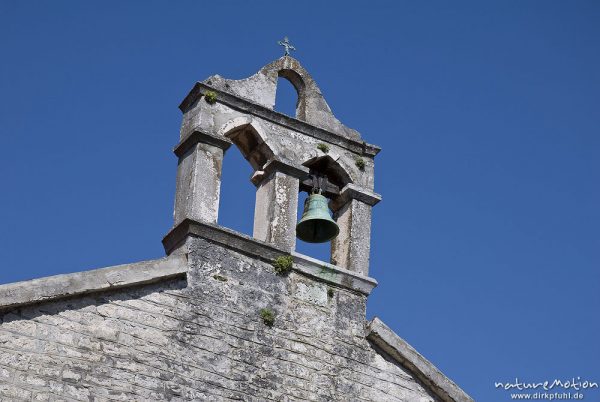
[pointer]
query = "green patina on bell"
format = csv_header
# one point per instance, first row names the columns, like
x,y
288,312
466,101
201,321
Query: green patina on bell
x,y
316,225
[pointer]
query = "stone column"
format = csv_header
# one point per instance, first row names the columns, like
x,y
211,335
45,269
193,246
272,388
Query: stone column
x,y
199,177
276,208
352,211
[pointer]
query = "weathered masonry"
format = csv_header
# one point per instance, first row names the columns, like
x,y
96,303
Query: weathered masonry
x,y
214,320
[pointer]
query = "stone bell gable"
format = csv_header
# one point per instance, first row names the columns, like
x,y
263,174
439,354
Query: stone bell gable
x,y
282,151
226,316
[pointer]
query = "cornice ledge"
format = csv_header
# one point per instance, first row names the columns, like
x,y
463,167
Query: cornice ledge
x,y
67,285
198,136
252,247
397,348
247,106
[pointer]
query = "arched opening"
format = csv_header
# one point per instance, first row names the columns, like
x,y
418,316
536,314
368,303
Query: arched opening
x,y
286,98
289,97
238,194
337,178
236,203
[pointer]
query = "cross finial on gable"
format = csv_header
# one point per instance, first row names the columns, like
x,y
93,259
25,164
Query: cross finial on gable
x,y
287,45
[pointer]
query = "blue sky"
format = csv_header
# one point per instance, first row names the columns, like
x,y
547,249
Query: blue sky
x,y
486,244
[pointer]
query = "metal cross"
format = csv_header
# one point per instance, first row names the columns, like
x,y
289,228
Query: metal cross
x,y
287,45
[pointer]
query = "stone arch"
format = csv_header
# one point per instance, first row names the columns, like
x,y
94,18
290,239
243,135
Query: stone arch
x,y
249,137
330,167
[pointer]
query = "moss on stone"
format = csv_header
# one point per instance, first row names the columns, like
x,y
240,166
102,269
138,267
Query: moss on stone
x,y
323,148
283,264
267,316
220,278
360,163
210,97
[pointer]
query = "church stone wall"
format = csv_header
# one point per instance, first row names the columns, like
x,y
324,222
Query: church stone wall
x,y
202,338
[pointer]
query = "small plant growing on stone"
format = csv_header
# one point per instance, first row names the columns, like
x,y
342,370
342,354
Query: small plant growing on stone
x,y
220,278
283,264
330,293
360,163
267,316
323,148
210,97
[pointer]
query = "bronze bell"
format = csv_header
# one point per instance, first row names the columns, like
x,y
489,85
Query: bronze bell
x,y
316,225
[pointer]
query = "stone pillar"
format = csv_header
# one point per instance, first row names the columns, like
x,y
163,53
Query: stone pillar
x,y
352,211
276,208
199,177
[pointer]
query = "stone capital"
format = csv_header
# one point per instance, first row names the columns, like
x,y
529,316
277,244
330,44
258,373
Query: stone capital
x,y
354,192
201,137
275,165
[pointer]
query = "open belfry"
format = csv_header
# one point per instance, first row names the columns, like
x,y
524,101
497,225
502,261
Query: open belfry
x,y
226,316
